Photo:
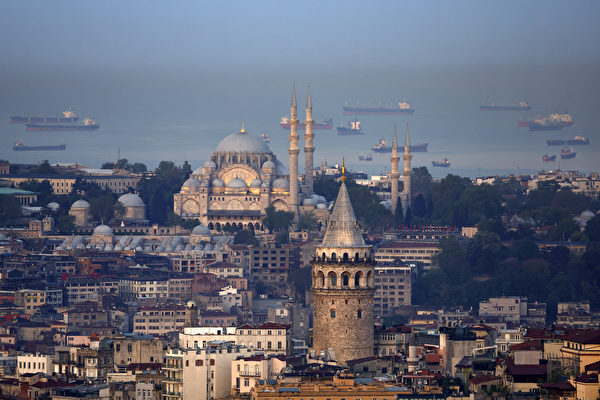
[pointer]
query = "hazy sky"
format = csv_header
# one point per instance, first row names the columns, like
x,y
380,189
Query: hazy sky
x,y
270,34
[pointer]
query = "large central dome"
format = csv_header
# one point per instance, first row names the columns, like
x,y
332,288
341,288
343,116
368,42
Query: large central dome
x,y
242,142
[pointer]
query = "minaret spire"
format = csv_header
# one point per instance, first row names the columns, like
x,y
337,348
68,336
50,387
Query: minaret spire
x,y
406,174
309,147
394,174
293,152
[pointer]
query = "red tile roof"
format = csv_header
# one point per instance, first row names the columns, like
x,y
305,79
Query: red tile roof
x,y
527,369
557,386
476,380
532,345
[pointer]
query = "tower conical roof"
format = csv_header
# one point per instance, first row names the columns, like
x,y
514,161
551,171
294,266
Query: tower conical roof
x,y
407,140
293,94
308,98
343,230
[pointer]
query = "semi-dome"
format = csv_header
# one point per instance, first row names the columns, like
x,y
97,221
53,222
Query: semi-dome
x,y
191,183
103,230
242,142
309,202
322,206
255,183
281,183
200,230
268,165
237,183
80,204
54,206
131,200
217,182
209,164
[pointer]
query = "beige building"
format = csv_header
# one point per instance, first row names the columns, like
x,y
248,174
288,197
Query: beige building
x,y
80,209
247,371
137,349
35,363
409,252
30,300
63,184
159,319
392,288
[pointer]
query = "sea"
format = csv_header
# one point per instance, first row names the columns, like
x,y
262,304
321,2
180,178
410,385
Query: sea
x,y
153,114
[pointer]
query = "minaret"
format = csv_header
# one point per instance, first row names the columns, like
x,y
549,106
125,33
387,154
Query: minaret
x,y
395,175
293,152
342,287
406,173
309,148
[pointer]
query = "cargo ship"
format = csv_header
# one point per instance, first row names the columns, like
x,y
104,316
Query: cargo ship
x,y
265,137
445,163
66,117
577,140
402,107
88,125
23,147
368,157
553,122
567,153
522,106
353,128
326,124
382,147
547,158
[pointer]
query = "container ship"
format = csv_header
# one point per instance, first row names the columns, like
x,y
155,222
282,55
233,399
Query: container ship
x,y
23,147
353,128
65,118
547,158
88,125
553,122
326,124
567,153
577,140
522,106
445,163
403,107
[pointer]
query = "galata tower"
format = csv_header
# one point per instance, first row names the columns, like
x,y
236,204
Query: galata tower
x,y
342,287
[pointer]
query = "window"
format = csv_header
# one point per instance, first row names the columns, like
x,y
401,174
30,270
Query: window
x,y
332,313
359,314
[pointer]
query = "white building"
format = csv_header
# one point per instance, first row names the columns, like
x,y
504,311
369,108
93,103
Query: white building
x,y
35,363
246,371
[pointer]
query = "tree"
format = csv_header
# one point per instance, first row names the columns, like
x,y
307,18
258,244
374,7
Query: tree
x,y
277,220
10,210
65,223
44,168
102,207
245,237
592,229
420,180
419,208
43,189
307,221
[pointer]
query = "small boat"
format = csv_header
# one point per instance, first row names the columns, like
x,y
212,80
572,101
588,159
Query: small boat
x,y
353,128
265,137
547,158
567,153
445,163
368,157
20,146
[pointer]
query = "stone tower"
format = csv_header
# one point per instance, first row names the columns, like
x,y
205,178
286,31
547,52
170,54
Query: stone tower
x,y
406,174
309,148
293,152
395,175
342,288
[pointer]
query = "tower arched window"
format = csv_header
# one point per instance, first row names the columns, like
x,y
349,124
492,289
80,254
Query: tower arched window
x,y
345,279
332,277
359,314
345,257
320,279
357,279
333,256
332,313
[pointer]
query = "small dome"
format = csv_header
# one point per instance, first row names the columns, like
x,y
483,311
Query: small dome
x,y
321,206
191,183
197,171
209,164
265,184
200,230
237,183
587,214
268,165
81,204
281,183
309,202
255,183
131,200
54,206
218,183
242,142
103,230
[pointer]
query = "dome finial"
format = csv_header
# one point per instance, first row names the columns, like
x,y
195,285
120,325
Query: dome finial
x,y
343,169
243,128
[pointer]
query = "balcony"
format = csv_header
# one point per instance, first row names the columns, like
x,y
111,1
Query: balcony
x,y
250,373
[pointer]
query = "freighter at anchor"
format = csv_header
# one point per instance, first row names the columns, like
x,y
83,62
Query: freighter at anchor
x,y
66,117
402,107
88,125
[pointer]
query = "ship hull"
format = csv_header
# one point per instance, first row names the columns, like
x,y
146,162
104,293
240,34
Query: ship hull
x,y
504,108
41,127
557,142
387,149
439,164
349,132
549,158
40,148
568,156
537,127
575,142
328,124
377,111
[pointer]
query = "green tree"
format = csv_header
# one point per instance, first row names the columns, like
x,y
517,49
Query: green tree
x,y
277,220
307,221
43,189
102,207
44,168
420,180
245,237
65,223
10,210
592,229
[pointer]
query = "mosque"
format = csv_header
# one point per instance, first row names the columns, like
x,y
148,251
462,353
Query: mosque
x,y
243,177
